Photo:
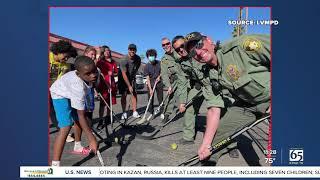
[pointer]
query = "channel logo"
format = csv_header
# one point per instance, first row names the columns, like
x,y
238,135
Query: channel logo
x,y
38,173
296,156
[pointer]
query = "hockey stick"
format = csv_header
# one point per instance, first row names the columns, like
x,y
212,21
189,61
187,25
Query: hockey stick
x,y
100,158
157,111
159,128
224,142
143,120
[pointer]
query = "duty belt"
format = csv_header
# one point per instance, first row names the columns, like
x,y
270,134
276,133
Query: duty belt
x,y
195,84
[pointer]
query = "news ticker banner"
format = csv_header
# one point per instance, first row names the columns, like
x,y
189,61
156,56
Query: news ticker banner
x,y
169,172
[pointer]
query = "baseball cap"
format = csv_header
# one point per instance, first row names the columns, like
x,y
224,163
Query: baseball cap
x,y
132,46
193,36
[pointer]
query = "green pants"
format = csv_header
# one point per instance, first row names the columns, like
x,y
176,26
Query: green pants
x,y
190,115
170,103
235,118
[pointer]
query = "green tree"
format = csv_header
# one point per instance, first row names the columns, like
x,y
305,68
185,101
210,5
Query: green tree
x,y
239,29
142,56
235,30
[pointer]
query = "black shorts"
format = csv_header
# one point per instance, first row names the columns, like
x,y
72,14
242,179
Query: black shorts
x,y
122,86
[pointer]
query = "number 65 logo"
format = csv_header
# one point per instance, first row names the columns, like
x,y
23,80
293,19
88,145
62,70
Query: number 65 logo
x,y
296,155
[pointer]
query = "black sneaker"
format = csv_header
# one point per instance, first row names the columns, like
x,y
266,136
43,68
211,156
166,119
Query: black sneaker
x,y
100,125
233,153
185,142
107,120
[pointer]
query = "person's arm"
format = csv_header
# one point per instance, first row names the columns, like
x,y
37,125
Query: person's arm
x,y
93,145
124,75
158,78
182,90
164,73
100,69
102,84
147,74
126,80
214,103
77,101
269,109
149,85
213,117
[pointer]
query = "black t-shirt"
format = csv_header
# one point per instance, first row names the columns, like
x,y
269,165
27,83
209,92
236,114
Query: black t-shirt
x,y
152,70
130,66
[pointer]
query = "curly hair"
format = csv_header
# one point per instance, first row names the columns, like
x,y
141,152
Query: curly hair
x,y
73,52
151,52
62,46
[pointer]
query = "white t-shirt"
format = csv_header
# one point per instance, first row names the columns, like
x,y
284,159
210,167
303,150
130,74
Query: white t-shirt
x,y
72,87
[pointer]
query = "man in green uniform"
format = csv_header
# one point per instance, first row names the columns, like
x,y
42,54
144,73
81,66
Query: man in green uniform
x,y
170,70
192,70
242,66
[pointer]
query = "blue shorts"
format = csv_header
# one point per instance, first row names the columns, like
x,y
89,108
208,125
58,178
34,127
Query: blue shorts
x,y
65,114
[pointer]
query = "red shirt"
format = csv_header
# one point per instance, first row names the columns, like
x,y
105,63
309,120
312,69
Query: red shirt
x,y
106,67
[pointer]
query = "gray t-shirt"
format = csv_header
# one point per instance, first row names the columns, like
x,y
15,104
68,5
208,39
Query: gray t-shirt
x,y
130,66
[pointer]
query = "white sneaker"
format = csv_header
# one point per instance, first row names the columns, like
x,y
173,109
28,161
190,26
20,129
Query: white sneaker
x,y
69,138
162,116
136,115
124,116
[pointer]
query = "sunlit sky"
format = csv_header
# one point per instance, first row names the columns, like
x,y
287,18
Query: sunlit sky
x,y
117,27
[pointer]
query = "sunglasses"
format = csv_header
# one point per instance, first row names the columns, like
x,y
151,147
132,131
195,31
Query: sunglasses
x,y
165,44
198,45
178,49
132,49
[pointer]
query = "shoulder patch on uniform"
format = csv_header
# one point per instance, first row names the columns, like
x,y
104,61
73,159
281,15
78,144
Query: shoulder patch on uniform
x,y
233,72
165,61
251,44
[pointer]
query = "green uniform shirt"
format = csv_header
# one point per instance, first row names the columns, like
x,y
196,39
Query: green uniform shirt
x,y
171,70
244,68
197,72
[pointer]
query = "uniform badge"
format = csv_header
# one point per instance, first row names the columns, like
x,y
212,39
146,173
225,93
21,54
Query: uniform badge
x,y
252,45
233,72
189,36
164,62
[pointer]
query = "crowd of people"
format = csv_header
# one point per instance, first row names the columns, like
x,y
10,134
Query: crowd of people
x,y
233,79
